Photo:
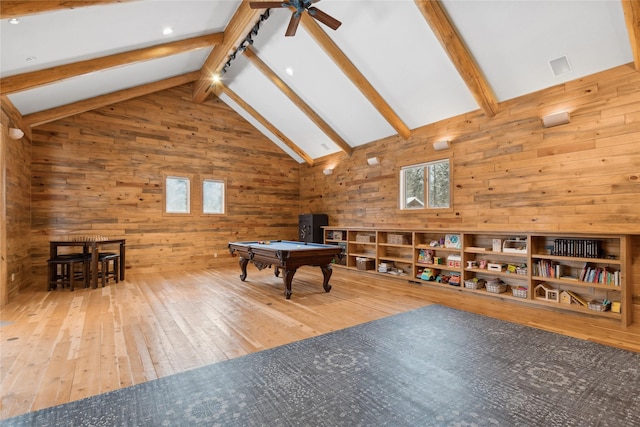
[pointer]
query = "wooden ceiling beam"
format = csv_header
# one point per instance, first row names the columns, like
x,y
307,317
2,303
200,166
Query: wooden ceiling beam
x,y
267,124
440,24
299,102
68,110
356,77
631,10
38,78
239,26
16,9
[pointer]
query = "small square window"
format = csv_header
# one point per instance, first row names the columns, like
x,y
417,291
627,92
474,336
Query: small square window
x,y
177,194
426,186
213,197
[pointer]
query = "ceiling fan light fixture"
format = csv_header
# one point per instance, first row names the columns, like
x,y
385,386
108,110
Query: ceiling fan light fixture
x,y
300,6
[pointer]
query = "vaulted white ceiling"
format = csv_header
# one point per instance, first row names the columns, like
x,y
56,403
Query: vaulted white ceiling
x,y
390,45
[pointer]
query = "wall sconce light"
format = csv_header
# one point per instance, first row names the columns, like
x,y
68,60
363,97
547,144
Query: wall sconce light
x,y
373,161
15,133
557,119
328,171
440,145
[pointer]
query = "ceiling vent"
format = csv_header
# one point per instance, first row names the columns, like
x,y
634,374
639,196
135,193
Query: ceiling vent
x,y
560,66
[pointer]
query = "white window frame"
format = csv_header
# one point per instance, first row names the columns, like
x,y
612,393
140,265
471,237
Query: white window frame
x,y
402,196
223,184
168,196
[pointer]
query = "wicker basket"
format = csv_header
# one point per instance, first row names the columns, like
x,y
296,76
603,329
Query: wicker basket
x,y
496,287
398,239
474,284
519,293
596,305
365,238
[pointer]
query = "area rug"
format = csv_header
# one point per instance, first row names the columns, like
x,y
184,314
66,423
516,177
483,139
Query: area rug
x,y
433,366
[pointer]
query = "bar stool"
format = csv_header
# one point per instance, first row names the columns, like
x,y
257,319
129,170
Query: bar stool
x,y
65,270
109,267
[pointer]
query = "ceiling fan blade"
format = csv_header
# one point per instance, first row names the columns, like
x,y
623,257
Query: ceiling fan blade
x,y
293,25
266,4
327,20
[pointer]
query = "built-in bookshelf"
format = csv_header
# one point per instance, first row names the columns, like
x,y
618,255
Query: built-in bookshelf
x,y
577,273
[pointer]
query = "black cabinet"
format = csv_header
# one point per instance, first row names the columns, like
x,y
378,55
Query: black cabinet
x,y
310,227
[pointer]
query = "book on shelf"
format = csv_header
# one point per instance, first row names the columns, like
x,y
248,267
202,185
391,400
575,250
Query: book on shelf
x,y
582,248
547,268
601,275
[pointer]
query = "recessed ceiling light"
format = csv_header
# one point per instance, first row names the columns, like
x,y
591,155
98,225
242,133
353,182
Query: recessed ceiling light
x,y
14,21
215,78
167,31
31,59
289,71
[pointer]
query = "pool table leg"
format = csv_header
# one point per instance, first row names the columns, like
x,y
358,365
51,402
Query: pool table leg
x,y
326,272
243,267
287,275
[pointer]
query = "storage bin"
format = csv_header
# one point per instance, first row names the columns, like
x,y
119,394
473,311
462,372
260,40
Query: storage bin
x,y
365,263
515,245
474,283
398,239
519,292
596,305
496,286
365,238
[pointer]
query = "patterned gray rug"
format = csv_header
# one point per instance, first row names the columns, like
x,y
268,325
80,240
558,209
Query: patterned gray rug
x,y
434,366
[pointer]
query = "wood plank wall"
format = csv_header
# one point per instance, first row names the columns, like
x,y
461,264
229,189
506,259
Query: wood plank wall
x,y
16,182
102,173
509,173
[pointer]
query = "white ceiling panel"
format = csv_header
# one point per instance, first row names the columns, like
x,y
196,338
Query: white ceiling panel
x,y
394,48
252,86
72,35
388,41
106,81
319,82
266,132
515,40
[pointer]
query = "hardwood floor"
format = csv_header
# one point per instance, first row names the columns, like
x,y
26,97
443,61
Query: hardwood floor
x,y
62,346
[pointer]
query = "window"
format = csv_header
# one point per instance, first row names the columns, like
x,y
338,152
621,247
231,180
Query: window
x,y
213,201
177,194
426,186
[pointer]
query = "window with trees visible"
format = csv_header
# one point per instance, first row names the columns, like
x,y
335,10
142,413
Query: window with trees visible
x,y
426,185
213,198
177,194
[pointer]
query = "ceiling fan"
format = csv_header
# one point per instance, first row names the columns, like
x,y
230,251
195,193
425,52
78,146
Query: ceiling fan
x,y
300,6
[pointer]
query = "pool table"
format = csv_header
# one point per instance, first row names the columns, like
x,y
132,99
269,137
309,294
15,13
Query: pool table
x,y
288,256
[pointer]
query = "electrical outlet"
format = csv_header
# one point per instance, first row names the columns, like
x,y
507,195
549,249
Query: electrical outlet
x,y
215,254
13,276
